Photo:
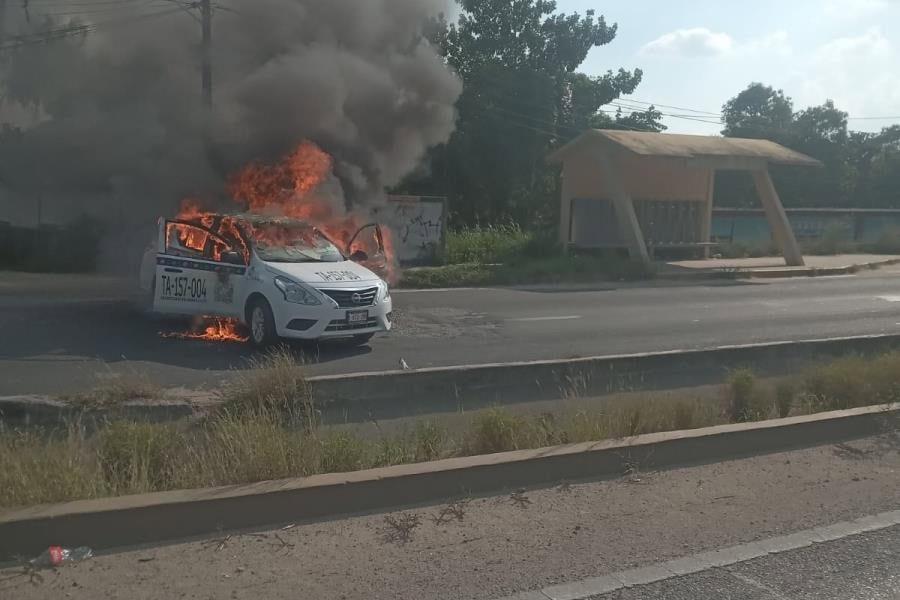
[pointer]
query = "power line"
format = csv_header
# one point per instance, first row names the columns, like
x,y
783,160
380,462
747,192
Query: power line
x,y
43,37
720,114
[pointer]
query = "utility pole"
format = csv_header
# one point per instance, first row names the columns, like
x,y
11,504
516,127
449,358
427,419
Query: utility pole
x,y
206,17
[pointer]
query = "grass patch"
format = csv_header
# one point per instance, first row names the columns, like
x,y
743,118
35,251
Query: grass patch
x,y
265,433
551,269
275,384
487,245
115,389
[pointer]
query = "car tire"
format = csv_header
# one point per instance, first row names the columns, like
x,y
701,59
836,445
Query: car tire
x,y
261,323
361,339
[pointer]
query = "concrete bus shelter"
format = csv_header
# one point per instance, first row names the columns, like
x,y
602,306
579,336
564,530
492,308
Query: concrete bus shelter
x,y
646,191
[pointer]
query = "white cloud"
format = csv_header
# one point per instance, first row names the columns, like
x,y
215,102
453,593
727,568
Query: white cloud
x,y
776,42
700,42
858,72
695,42
854,9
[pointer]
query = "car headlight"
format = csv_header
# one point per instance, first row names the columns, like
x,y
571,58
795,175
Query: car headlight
x,y
297,293
385,290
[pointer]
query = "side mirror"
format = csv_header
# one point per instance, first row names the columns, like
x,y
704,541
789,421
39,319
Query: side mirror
x,y
359,256
232,257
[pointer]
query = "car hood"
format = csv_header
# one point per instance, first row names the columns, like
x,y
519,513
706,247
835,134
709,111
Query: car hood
x,y
347,274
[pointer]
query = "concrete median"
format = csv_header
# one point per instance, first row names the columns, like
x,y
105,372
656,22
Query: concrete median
x,y
364,396
169,516
360,397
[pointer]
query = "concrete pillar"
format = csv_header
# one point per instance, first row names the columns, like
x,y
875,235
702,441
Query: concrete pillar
x,y
629,228
706,224
565,207
778,221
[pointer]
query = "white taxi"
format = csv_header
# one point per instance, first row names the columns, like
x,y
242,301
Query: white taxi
x,y
281,278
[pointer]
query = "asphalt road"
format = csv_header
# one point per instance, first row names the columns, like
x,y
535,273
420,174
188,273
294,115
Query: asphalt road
x,y
56,336
859,567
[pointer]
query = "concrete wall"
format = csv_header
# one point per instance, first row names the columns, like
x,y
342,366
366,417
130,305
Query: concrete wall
x,y
750,226
645,178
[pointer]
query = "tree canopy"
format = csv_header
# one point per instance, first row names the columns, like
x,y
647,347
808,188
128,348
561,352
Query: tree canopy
x,y
522,96
860,168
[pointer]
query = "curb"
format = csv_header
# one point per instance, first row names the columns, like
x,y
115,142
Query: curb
x,y
789,272
168,516
699,275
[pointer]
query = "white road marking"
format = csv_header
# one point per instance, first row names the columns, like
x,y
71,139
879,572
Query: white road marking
x,y
759,585
724,557
890,298
534,319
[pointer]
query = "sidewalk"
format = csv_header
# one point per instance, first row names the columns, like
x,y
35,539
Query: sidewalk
x,y
773,266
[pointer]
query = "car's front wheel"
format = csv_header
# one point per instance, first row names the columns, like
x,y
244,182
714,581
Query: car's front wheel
x,y
261,322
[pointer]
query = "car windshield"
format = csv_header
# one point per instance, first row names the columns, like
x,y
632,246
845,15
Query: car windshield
x,y
289,242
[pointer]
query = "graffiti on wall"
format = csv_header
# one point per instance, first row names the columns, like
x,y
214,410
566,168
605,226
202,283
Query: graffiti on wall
x,y
418,224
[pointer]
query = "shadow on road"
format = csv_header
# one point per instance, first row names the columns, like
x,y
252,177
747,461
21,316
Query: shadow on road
x,y
116,332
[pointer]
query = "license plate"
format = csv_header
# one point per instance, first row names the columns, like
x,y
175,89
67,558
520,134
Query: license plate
x,y
357,316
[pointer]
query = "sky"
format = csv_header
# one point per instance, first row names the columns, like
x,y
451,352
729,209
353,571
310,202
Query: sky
x,y
698,54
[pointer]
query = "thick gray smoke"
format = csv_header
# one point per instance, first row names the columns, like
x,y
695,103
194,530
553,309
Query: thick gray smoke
x,y
119,111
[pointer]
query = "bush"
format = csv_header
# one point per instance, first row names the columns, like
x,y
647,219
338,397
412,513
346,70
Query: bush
x,y
741,387
486,245
430,439
341,452
784,398
497,430
273,384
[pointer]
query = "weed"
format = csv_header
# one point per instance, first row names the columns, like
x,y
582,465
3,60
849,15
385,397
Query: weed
x,y
399,529
38,467
138,457
486,245
741,386
784,398
236,448
519,499
341,452
430,439
455,511
496,430
547,269
114,389
273,382
684,415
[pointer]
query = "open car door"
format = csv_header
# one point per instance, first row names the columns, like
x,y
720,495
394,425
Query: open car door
x,y
197,272
370,240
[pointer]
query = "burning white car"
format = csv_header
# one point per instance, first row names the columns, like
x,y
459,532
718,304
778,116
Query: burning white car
x,y
279,277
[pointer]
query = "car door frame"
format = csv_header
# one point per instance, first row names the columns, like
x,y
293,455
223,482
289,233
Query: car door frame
x,y
196,285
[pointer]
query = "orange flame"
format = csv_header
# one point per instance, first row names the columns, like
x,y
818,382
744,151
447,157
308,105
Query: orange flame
x,y
217,330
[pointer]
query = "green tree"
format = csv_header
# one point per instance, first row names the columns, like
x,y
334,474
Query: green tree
x,y
522,97
860,169
820,132
758,112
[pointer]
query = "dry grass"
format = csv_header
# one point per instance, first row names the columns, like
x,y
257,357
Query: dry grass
x,y
268,431
114,389
274,384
